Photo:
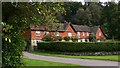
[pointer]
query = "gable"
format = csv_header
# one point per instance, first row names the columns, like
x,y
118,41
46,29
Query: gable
x,y
99,30
69,28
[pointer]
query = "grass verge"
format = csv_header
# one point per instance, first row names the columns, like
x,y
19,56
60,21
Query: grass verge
x,y
49,64
110,57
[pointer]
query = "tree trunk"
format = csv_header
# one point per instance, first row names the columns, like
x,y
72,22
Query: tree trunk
x,y
30,47
113,38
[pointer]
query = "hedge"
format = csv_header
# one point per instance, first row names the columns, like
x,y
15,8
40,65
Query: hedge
x,y
78,47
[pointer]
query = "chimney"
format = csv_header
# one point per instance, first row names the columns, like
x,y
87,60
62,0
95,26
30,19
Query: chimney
x,y
65,21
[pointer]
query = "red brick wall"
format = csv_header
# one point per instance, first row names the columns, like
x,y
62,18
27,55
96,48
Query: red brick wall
x,y
97,34
62,34
33,35
69,29
85,35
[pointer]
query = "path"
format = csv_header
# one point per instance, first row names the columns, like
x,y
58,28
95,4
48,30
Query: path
x,y
83,62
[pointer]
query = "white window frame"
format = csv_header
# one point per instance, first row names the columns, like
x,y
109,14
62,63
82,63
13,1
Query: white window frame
x,y
57,34
78,33
83,40
46,32
83,34
69,34
37,33
100,33
87,34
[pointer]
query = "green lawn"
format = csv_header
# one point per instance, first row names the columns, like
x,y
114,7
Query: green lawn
x,y
110,40
111,58
32,62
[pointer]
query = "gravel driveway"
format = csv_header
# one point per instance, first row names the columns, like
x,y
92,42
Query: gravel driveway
x,y
83,62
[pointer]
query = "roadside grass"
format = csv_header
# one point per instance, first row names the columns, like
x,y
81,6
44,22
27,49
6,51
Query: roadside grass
x,y
42,63
113,41
109,57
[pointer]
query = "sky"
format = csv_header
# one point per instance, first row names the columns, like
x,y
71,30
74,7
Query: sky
x,y
81,0
96,1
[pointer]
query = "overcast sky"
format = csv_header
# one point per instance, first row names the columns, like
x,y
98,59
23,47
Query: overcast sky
x,y
97,0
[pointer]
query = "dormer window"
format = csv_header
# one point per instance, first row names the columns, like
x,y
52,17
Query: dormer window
x,y
37,33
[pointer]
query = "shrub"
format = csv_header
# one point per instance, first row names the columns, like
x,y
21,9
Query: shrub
x,y
102,39
12,51
67,38
49,37
59,38
78,47
92,37
74,39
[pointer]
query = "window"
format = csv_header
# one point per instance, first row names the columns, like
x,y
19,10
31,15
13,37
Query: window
x,y
45,33
78,33
69,34
83,34
87,34
99,33
38,41
57,33
37,33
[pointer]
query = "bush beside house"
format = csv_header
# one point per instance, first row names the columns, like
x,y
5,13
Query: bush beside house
x,y
49,37
52,37
74,38
59,38
67,38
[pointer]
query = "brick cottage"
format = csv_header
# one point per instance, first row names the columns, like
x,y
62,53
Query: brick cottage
x,y
35,34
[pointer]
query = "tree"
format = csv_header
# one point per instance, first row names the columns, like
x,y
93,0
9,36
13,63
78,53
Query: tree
x,y
16,19
92,37
89,14
82,17
71,8
111,20
95,10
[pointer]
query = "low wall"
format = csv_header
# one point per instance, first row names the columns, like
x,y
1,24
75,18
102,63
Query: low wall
x,y
89,53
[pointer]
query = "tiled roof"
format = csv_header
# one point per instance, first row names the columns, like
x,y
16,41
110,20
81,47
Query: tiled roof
x,y
63,27
94,29
32,27
81,28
